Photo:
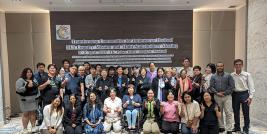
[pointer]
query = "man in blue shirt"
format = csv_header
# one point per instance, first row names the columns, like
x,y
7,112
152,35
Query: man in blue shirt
x,y
74,85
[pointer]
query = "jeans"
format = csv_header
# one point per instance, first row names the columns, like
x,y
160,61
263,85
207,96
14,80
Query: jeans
x,y
186,130
240,98
131,117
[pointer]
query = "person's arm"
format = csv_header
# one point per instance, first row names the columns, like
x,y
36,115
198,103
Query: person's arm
x,y
202,107
43,86
251,86
60,118
87,81
20,86
218,111
146,84
190,85
82,91
124,101
138,103
196,117
100,117
46,114
66,119
85,108
212,85
79,116
230,86
161,108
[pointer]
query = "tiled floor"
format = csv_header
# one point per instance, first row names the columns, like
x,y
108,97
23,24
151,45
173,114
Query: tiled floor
x,y
14,126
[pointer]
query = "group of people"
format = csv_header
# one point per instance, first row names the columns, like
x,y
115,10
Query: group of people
x,y
92,99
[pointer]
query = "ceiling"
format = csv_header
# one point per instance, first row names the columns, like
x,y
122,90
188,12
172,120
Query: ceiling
x,y
115,5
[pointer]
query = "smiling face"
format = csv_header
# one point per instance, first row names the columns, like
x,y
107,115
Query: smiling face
x,y
170,97
160,73
119,71
238,66
186,63
220,67
52,70
207,97
73,70
187,98
131,90
152,67
92,97
150,94
56,102
29,74
72,99
183,74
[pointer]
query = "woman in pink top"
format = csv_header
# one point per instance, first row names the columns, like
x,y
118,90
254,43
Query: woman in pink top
x,y
170,113
185,84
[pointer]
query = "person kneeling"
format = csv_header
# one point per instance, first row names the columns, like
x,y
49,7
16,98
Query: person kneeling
x,y
151,108
112,109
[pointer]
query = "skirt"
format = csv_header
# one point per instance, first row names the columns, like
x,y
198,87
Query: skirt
x,y
28,103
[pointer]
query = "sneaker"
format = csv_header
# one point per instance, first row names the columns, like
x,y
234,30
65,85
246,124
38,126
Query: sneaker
x,y
25,131
221,130
35,129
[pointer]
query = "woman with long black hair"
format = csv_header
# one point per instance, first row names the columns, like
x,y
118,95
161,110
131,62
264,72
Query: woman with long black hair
x,y
53,115
26,88
72,120
210,113
93,115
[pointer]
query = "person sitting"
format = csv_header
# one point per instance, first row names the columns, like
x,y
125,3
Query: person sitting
x,y
151,108
93,115
112,109
170,114
190,113
53,115
72,119
131,103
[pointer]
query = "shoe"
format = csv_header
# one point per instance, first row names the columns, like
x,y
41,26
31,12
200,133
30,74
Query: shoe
x,y
229,132
25,131
236,130
221,130
35,129
245,132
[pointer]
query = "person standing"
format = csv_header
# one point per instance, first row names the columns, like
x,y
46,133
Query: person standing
x,y
243,94
152,72
222,85
196,83
41,76
186,66
26,88
74,85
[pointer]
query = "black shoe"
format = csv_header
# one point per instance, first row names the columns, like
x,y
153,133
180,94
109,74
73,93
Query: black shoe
x,y
245,132
221,130
236,130
229,132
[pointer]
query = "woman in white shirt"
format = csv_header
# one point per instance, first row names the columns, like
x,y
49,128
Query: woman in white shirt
x,y
190,113
53,114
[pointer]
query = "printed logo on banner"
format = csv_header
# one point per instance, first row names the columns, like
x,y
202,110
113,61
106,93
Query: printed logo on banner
x,y
63,32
